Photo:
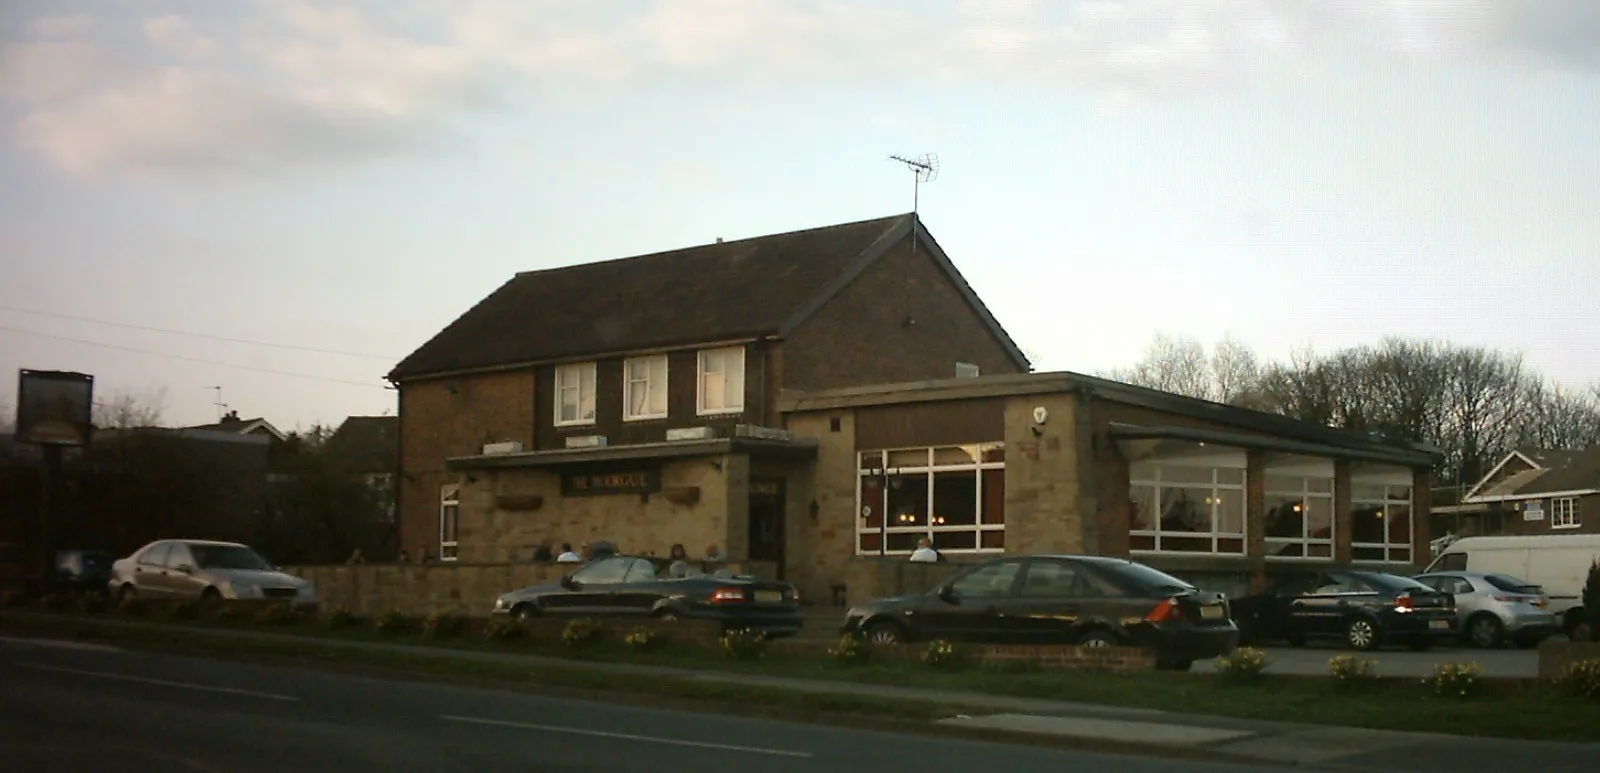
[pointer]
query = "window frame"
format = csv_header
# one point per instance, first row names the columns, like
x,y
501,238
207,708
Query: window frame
x,y
1306,493
648,361
583,369
1156,533
701,374
1566,517
1389,503
449,497
930,470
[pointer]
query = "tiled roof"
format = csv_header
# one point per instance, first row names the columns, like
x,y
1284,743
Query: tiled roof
x,y
720,291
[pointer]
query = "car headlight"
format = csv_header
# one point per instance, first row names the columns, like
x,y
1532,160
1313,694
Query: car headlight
x,y
245,590
501,603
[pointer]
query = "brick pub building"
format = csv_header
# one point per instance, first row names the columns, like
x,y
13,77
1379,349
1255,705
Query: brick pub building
x,y
815,401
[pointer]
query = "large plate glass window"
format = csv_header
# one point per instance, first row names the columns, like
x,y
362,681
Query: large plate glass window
x,y
1186,508
952,495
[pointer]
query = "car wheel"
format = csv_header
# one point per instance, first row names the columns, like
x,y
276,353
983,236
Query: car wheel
x,y
1098,637
666,615
524,612
126,592
1362,634
885,632
1485,631
210,597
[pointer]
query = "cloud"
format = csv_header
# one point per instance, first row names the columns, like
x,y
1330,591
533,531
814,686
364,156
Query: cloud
x,y
290,82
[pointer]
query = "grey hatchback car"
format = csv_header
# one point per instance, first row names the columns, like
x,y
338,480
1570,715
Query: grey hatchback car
x,y
1496,607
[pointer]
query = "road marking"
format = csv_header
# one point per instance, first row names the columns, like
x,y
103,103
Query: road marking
x,y
161,682
60,644
625,736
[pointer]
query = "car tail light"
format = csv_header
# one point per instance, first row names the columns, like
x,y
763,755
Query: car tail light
x,y
1165,612
1402,603
791,596
727,596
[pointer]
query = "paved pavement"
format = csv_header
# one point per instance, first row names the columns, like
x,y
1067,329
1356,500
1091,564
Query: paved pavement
x,y
1269,742
68,707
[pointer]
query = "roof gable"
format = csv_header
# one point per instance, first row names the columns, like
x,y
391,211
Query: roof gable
x,y
713,292
1556,472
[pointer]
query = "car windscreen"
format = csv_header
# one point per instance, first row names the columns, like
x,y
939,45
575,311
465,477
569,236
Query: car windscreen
x,y
1511,584
1390,582
227,557
1141,577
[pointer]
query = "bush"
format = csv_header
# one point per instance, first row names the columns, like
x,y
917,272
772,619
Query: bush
x,y
92,603
583,633
279,613
443,625
340,619
1243,665
644,640
1581,679
504,629
744,644
393,622
852,650
1591,600
57,602
183,610
943,655
1455,680
132,607
1350,672
227,614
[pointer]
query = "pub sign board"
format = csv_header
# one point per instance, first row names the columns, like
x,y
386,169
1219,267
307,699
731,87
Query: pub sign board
x,y
586,483
53,407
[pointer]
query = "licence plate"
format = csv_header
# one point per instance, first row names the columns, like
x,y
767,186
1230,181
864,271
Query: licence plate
x,y
1439,625
1211,613
769,596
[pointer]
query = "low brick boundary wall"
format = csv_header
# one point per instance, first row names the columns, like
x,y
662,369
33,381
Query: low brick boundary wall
x,y
1115,659
1556,654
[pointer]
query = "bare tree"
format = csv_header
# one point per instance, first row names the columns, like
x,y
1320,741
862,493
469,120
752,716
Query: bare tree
x,y
1556,417
1485,402
127,410
1235,371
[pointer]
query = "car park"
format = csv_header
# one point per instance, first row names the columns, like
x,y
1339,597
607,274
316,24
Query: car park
x,y
652,587
1090,601
1493,607
1366,609
204,570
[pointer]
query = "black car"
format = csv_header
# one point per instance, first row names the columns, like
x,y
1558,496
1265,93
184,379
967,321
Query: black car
x,y
646,586
82,571
1057,599
1365,609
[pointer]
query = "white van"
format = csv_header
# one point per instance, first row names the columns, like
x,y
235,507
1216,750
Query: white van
x,y
1557,562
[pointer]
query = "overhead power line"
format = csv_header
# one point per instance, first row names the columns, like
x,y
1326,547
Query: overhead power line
x,y
147,352
191,334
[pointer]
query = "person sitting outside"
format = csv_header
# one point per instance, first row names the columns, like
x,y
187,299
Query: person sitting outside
x,y
925,554
567,556
715,554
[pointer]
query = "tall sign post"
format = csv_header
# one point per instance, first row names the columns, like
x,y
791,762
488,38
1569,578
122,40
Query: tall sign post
x,y
53,412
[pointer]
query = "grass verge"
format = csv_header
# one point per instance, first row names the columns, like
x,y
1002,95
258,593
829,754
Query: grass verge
x,y
1505,709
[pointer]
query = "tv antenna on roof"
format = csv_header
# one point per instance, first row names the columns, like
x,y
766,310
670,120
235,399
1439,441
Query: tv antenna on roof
x,y
220,405
925,169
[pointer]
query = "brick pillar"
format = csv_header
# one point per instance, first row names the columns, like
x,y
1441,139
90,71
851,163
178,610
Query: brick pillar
x,y
1421,516
1342,512
1255,517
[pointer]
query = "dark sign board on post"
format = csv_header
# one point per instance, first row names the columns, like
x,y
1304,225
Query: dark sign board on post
x,y
579,483
53,407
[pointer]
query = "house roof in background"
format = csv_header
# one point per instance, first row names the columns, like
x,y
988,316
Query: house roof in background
x,y
366,443
1559,471
724,291
232,423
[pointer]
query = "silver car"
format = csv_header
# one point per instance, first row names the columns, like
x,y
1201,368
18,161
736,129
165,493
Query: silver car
x,y
204,570
1495,607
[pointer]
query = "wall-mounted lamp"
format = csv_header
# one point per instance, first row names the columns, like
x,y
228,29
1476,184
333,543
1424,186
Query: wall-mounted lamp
x,y
472,478
814,509
717,464
452,388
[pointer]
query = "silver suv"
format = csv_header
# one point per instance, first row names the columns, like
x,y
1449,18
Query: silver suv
x,y
1495,607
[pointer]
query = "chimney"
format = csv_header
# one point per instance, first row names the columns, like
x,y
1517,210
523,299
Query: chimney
x,y
719,240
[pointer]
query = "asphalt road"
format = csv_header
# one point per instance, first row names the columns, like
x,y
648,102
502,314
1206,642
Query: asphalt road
x,y
67,706
1312,660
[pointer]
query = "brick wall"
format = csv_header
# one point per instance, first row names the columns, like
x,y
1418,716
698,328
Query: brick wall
x,y
490,532
860,336
419,589
820,551
452,417
1043,498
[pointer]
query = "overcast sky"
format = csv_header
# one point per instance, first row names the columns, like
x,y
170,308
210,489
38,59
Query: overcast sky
x,y
350,177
